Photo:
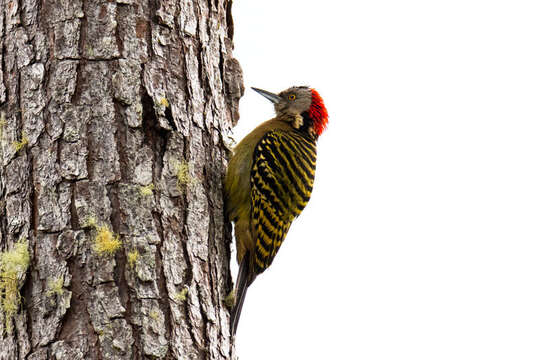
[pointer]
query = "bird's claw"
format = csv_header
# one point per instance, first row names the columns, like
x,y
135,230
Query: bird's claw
x,y
230,299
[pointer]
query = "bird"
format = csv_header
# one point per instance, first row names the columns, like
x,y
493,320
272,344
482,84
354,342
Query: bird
x,y
269,180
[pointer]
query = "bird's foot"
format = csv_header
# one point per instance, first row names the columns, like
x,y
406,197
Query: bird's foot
x,y
230,299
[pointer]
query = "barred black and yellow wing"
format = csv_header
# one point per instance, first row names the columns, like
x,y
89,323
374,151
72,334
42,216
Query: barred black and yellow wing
x,y
281,182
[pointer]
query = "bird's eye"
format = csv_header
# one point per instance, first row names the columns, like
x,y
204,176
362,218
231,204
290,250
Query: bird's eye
x,y
292,97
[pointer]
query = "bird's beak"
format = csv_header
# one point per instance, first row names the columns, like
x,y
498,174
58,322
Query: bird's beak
x,y
267,94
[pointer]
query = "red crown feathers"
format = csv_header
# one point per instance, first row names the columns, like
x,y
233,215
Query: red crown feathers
x,y
317,112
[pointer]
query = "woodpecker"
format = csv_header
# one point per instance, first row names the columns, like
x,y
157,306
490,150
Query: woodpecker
x,y
269,181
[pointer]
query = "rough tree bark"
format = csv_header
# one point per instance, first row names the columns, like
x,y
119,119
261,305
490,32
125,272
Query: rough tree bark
x,y
114,117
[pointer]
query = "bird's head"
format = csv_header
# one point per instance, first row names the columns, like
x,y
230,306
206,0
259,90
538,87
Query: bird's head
x,y
302,106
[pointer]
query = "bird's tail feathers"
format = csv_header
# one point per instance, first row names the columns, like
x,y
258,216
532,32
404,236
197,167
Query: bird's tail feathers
x,y
243,280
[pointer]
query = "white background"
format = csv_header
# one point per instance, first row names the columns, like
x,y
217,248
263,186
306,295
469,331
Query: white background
x,y
422,237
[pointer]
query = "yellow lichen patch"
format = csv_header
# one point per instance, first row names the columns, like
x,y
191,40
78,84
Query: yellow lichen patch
x,y
147,190
13,265
154,314
164,102
106,243
132,258
56,287
183,177
182,173
90,222
181,296
18,145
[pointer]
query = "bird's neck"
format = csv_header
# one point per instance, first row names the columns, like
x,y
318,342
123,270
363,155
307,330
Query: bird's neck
x,y
308,126
302,123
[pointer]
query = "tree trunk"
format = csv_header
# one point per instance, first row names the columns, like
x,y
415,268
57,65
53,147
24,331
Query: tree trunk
x,y
114,118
